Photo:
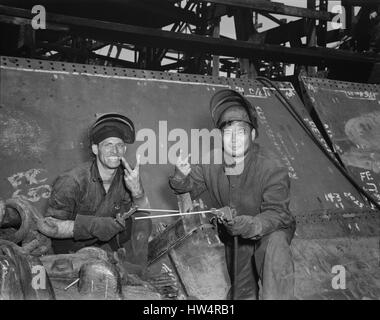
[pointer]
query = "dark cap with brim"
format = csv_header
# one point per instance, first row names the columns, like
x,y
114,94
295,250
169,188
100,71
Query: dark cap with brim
x,y
233,113
112,125
228,105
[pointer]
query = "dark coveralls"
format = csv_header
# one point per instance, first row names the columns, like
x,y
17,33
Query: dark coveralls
x,y
79,195
262,191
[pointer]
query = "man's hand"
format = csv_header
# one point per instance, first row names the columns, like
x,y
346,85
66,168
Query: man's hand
x,y
132,178
182,167
244,226
122,217
223,215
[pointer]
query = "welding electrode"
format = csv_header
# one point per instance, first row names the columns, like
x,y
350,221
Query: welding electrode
x,y
177,213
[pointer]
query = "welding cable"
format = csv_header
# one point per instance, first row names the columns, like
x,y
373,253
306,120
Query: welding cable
x,y
234,266
23,220
24,211
290,108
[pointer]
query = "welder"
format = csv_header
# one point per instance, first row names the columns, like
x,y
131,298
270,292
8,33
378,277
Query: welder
x,y
88,201
254,184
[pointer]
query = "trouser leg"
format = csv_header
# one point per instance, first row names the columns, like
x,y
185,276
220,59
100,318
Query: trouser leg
x,y
137,246
134,242
275,266
246,281
141,231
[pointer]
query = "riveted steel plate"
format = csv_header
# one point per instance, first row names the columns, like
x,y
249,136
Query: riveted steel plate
x,y
350,113
46,108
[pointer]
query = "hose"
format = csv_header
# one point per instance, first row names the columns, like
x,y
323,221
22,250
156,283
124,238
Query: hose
x,y
290,108
23,209
32,242
234,266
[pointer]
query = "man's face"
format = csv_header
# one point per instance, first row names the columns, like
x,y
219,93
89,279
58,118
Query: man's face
x,y
236,138
109,151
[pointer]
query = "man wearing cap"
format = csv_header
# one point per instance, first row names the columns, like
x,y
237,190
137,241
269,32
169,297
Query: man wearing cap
x,y
252,182
86,202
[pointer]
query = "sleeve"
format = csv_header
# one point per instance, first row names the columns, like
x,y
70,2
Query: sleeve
x,y
63,198
142,202
62,205
102,228
274,211
193,183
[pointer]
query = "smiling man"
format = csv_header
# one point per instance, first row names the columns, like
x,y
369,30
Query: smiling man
x,y
252,182
86,202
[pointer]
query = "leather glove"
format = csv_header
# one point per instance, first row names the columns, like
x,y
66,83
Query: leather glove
x,y
214,218
247,227
222,215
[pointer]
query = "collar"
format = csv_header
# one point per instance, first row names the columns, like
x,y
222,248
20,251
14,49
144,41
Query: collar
x,y
95,175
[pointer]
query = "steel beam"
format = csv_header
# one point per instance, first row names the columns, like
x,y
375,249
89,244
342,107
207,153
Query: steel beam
x,y
360,3
274,7
102,30
290,31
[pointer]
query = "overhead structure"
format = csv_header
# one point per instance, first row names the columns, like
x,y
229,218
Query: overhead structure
x,y
185,36
54,81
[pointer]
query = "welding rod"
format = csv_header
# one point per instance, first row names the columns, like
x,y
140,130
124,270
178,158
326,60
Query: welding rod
x,y
72,283
158,210
171,215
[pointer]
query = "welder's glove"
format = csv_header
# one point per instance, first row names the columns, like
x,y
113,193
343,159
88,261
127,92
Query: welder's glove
x,y
247,227
214,218
102,228
222,215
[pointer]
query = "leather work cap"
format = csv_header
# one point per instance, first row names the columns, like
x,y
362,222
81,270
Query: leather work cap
x,y
234,112
112,125
238,107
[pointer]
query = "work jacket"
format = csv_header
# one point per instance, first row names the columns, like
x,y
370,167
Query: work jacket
x,y
79,195
261,190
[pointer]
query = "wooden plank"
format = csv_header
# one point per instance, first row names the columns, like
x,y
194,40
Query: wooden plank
x,y
274,7
102,30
